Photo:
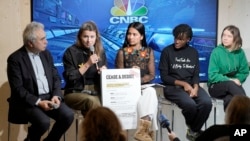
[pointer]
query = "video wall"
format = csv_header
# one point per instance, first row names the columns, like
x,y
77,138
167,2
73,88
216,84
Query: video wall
x,y
62,19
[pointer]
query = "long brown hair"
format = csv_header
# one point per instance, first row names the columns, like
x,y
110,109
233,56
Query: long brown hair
x,y
91,26
101,124
238,110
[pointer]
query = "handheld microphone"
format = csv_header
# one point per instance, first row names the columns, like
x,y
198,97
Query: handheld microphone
x,y
164,122
92,49
53,106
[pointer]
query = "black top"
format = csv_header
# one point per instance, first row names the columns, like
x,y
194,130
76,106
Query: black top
x,y
73,57
143,58
179,64
137,58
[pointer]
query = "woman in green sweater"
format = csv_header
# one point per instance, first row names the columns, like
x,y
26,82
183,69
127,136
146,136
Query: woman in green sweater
x,y
228,66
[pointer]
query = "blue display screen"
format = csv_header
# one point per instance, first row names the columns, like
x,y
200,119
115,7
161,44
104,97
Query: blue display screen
x,y
62,19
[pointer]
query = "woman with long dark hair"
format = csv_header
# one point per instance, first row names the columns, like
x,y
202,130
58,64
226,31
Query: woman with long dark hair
x,y
135,53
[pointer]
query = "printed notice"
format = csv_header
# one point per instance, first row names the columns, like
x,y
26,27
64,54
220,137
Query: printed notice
x,y
121,89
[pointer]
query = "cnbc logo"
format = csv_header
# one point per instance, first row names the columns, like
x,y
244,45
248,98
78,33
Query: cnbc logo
x,y
127,11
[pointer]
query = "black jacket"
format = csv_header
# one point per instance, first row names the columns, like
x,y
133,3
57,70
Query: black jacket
x,y
23,84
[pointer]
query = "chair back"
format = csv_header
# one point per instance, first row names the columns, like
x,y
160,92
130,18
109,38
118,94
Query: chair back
x,y
16,112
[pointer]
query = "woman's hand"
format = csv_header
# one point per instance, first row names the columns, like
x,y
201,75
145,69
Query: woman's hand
x,y
188,88
102,68
93,59
236,81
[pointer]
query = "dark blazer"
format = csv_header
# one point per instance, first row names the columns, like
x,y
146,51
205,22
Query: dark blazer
x,y
23,84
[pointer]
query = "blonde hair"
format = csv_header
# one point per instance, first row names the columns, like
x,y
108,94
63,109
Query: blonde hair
x,y
237,40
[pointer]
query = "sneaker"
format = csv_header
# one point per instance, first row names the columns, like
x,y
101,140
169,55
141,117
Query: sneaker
x,y
191,135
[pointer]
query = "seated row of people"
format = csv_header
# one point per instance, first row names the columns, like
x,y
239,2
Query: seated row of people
x,y
39,96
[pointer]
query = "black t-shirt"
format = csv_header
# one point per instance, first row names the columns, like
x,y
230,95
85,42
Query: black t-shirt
x,y
179,64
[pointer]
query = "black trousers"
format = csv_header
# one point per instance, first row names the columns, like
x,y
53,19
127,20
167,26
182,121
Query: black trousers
x,y
40,121
195,110
225,91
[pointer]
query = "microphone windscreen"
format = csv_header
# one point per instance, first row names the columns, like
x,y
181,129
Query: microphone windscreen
x,y
163,121
92,49
53,106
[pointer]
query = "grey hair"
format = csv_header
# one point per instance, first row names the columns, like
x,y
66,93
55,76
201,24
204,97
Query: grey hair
x,y
29,32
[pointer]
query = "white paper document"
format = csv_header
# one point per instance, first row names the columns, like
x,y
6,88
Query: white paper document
x,y
151,85
121,89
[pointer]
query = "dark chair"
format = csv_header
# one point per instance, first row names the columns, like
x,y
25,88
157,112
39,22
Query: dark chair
x,y
15,115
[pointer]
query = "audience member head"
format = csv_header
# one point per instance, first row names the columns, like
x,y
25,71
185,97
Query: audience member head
x,y
101,124
238,110
141,29
231,33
